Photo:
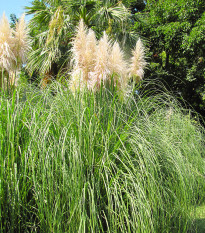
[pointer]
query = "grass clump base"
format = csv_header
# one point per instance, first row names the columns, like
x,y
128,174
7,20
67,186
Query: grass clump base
x,y
93,163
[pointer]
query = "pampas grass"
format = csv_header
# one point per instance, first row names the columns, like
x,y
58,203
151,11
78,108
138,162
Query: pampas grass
x,y
7,56
84,46
22,41
98,62
91,163
138,62
118,66
14,44
101,69
90,49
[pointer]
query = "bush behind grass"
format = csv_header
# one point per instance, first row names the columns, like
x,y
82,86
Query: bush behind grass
x,y
93,163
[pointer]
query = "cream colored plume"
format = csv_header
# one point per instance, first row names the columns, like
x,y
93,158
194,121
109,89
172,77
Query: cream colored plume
x,y
97,62
84,49
138,62
76,82
118,66
90,50
79,45
101,72
7,57
14,44
22,41
89,55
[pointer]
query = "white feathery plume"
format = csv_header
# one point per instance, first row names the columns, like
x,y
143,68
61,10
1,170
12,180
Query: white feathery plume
x,y
22,41
101,72
79,45
84,47
78,50
13,47
89,55
7,57
118,65
90,51
138,62
96,62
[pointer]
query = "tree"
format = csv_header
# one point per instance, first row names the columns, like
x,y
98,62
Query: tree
x,y
135,5
13,19
175,32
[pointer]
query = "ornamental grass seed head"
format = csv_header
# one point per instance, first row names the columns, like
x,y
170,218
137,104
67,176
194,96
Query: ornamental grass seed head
x,y
7,57
118,66
95,63
76,82
138,62
101,70
84,48
79,45
82,59
14,44
90,50
22,41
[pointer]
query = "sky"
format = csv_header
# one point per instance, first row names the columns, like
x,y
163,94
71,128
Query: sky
x,y
14,7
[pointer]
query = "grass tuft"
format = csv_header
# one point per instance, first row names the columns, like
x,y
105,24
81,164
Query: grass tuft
x,y
93,163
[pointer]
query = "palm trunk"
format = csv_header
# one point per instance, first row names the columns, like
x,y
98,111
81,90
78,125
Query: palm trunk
x,y
46,80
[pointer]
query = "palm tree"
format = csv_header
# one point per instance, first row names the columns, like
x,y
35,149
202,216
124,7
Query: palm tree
x,y
53,27
51,32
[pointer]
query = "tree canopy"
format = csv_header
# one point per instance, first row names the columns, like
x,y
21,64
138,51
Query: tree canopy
x,y
175,31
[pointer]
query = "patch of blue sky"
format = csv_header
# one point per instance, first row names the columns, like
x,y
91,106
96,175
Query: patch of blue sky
x,y
14,7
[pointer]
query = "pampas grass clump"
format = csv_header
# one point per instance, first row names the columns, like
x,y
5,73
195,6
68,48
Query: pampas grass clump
x,y
98,62
14,45
90,163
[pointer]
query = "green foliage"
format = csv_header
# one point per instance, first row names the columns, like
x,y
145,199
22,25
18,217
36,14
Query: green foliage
x,y
199,222
13,19
51,33
176,29
92,163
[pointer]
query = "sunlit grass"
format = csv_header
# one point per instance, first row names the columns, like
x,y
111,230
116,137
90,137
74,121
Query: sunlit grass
x,y
198,216
94,163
